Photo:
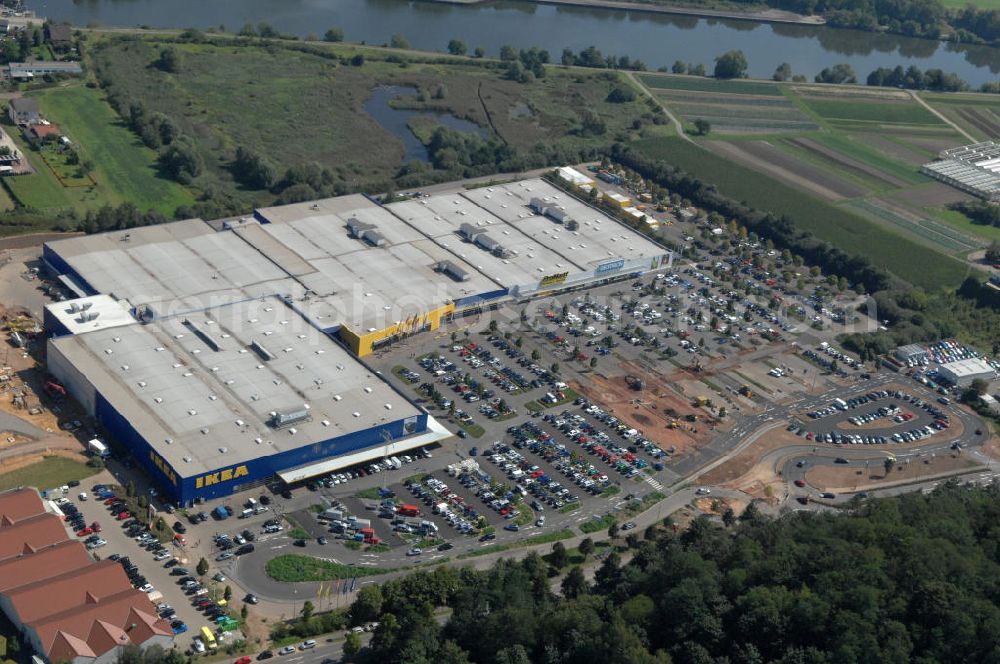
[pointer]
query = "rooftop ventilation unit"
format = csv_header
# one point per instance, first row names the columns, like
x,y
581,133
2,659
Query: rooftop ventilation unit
x,y
469,232
281,420
258,348
373,237
206,338
356,227
452,270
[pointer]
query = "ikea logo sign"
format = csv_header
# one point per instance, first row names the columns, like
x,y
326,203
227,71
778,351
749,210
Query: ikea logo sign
x,y
164,467
221,476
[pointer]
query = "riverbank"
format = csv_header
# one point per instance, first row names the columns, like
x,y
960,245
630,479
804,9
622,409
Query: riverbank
x,y
766,16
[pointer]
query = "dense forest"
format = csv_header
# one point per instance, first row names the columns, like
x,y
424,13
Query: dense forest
x,y
908,579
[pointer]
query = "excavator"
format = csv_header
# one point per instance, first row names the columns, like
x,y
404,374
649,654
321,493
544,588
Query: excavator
x,y
635,383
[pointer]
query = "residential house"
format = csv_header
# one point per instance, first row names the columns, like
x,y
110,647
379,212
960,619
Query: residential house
x,y
60,36
37,133
23,111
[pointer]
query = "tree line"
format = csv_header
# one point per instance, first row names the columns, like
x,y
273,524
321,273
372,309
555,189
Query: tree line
x,y
915,18
907,579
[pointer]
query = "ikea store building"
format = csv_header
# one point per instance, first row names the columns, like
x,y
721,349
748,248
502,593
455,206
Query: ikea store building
x,y
224,354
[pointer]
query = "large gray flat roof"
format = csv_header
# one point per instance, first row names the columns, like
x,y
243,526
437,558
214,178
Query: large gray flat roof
x,y
305,252
203,408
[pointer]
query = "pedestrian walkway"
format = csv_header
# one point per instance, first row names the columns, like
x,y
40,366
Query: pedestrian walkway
x,y
651,481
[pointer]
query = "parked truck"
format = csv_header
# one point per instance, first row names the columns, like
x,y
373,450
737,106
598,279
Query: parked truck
x,y
97,448
221,513
396,463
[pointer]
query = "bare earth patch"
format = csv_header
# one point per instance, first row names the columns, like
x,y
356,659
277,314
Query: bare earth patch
x,y
853,478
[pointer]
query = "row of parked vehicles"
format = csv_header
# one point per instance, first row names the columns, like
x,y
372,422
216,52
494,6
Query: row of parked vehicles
x,y
446,504
892,410
531,436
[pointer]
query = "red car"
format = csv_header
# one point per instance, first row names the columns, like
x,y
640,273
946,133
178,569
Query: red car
x,y
800,483
123,515
110,500
243,660
84,532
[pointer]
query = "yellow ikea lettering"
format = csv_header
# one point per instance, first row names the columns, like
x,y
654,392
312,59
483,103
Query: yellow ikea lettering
x,y
221,476
163,467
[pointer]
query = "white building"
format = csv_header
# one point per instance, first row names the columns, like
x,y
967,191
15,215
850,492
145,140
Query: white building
x,y
963,372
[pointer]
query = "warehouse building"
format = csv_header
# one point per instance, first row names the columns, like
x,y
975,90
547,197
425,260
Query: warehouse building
x,y
963,372
68,607
972,168
370,274
227,398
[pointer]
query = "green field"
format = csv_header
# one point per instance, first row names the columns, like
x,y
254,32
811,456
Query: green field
x,y
702,84
855,110
124,169
294,568
960,222
914,262
49,473
981,4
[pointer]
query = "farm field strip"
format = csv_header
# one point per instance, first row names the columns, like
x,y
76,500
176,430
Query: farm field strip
x,y
702,84
864,93
894,149
722,98
932,233
861,153
853,166
877,112
738,111
979,118
801,168
755,127
960,222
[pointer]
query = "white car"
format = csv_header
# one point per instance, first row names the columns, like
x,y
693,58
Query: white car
x,y
306,645
703,491
197,645
148,588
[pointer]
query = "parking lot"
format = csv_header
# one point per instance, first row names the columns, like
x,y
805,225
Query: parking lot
x,y
879,417
152,566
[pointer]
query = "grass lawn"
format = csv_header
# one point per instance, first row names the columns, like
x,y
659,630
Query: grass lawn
x,y
49,473
701,84
292,568
892,112
472,429
371,493
595,525
40,190
551,536
914,262
124,169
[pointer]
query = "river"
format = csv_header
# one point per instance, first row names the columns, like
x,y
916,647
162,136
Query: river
x,y
657,40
